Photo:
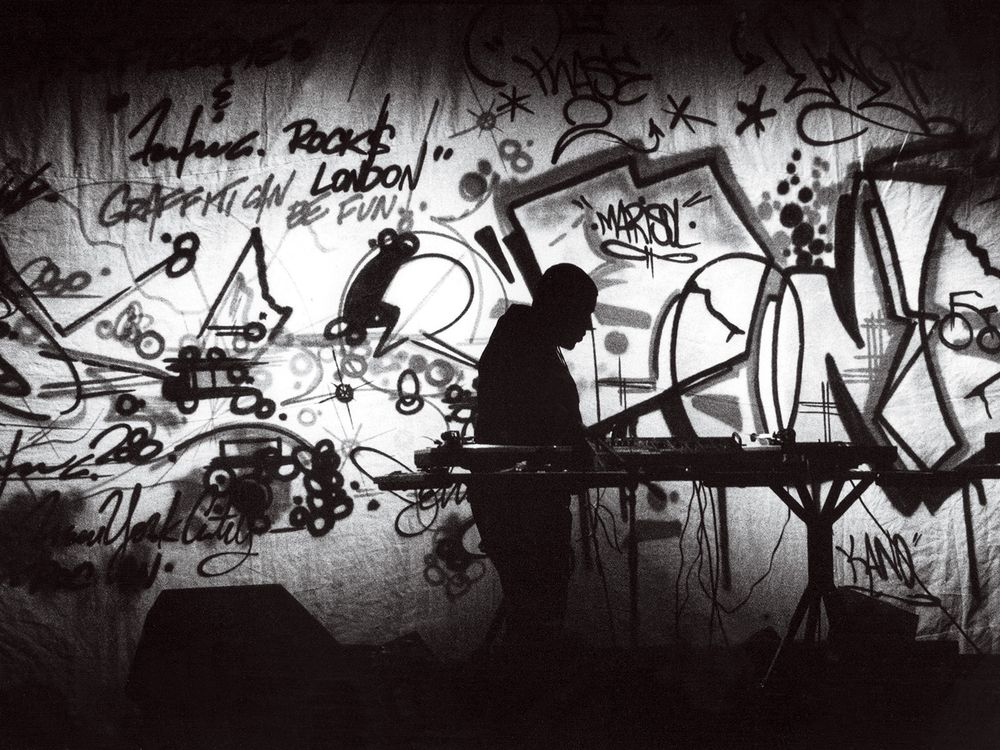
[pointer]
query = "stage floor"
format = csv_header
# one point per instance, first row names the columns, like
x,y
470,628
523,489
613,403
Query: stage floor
x,y
917,696
927,696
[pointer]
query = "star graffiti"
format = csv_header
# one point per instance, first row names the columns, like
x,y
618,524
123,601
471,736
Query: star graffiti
x,y
513,102
680,114
485,121
753,114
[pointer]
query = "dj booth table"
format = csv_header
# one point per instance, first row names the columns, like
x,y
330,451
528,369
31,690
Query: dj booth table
x,y
822,476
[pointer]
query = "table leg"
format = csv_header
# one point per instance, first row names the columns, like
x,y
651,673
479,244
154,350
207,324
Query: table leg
x,y
628,499
805,602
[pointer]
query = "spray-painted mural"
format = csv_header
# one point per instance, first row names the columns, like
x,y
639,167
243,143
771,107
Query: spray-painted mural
x,y
250,259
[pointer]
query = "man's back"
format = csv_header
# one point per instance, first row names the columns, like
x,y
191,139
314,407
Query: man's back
x,y
525,394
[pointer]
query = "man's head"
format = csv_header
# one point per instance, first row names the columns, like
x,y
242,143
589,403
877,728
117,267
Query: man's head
x,y
564,300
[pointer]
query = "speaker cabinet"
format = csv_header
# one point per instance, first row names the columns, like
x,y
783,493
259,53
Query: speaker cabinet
x,y
864,624
241,667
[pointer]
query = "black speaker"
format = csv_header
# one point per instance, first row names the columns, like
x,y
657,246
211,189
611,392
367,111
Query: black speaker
x,y
242,667
864,624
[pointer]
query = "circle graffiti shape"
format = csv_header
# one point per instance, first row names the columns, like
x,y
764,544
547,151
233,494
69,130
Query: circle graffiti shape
x,y
616,342
439,372
791,215
127,404
409,400
150,345
472,186
802,234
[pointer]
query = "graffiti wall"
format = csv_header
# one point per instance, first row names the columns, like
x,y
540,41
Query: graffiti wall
x,y
251,253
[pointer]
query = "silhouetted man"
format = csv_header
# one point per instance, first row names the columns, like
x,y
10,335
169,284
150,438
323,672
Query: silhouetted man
x,y
526,396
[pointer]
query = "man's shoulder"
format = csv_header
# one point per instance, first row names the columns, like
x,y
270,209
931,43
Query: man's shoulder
x,y
515,327
517,315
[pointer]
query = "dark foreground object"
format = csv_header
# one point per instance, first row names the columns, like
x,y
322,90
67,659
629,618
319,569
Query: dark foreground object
x,y
249,668
399,696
